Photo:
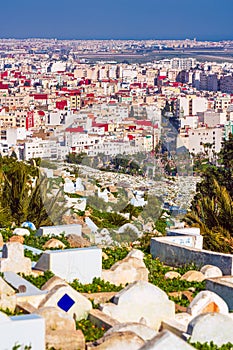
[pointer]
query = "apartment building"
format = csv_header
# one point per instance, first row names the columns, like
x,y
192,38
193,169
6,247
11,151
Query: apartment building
x,y
197,140
112,148
226,84
45,149
183,63
223,102
75,102
14,101
190,105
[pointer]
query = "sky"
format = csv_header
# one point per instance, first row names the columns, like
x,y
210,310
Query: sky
x,y
117,19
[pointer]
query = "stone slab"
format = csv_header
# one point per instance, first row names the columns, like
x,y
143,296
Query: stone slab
x,y
16,281
174,326
188,241
65,298
166,340
60,229
223,286
100,319
81,263
146,333
211,326
191,232
13,259
141,302
186,231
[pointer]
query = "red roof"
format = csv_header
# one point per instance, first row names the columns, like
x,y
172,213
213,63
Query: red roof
x,y
3,86
61,104
78,129
40,97
131,127
144,122
3,74
100,125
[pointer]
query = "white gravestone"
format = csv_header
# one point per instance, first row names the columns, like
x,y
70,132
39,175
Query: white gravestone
x,y
26,330
81,263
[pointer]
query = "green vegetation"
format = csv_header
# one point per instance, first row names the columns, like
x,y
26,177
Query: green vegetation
x,y
75,158
96,286
160,225
153,208
39,281
105,219
25,195
114,255
129,235
16,312
132,210
125,165
44,163
33,241
211,346
29,254
90,331
157,271
18,346
39,241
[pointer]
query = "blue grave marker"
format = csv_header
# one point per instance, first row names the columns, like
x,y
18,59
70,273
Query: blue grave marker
x,y
66,302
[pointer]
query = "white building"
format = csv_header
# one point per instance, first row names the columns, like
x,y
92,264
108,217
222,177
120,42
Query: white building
x,y
183,63
112,148
198,138
15,134
45,149
222,102
81,142
190,105
189,122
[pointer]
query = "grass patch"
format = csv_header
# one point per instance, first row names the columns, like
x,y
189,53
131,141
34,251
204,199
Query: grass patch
x,y
96,286
39,281
90,331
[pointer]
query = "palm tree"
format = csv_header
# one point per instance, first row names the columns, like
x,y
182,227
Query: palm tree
x,y
15,191
25,197
213,213
44,207
117,219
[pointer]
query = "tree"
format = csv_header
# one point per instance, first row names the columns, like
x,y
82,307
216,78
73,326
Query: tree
x,y
75,158
25,195
45,208
15,191
117,219
213,213
226,153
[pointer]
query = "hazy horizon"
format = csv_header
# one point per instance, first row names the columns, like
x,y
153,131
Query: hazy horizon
x,y
114,39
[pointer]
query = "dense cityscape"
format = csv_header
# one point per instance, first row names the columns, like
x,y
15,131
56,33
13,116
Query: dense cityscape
x,y
116,200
